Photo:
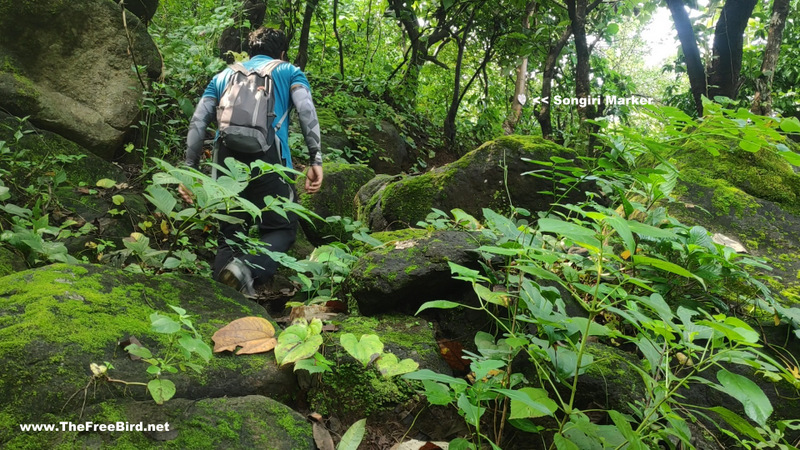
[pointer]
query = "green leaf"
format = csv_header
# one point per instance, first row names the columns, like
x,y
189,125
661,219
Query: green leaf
x,y
437,393
389,366
292,350
756,404
439,304
612,29
461,444
118,199
562,443
497,298
163,324
737,422
161,390
106,183
790,125
161,198
139,351
353,436
571,231
365,350
529,402
317,364
620,225
471,413
427,374
667,267
194,345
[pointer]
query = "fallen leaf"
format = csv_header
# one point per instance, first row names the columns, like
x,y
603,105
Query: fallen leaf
x,y
310,312
322,437
430,446
451,351
315,416
253,334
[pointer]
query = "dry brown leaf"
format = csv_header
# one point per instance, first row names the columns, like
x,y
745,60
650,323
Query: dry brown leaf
x,y
253,334
322,437
310,312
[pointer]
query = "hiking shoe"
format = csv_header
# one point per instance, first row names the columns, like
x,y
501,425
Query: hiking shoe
x,y
237,275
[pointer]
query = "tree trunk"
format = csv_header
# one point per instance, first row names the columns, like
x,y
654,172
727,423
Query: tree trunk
x,y
450,120
520,87
577,15
338,38
726,64
694,65
762,101
302,49
543,116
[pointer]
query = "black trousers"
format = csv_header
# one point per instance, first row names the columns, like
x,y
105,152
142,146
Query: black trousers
x,y
277,232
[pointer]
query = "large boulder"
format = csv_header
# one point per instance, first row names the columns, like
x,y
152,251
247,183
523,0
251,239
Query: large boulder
x,y
405,273
57,320
335,198
483,178
749,197
67,65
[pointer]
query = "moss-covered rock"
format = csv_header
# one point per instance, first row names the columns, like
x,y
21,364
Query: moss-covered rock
x,y
478,180
406,273
751,197
335,198
214,423
10,261
352,391
57,320
91,104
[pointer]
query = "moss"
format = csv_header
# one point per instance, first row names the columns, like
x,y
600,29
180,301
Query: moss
x,y
401,235
410,198
763,174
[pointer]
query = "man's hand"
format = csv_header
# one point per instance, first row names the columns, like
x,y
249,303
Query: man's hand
x,y
313,179
185,194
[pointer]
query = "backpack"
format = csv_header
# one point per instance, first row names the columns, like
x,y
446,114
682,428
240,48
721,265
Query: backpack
x,y
246,111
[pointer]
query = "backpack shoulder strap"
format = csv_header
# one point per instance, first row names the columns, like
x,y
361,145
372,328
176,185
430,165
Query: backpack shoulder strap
x,y
238,67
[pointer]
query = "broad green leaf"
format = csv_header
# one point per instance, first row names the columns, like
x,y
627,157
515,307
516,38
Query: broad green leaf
x,y
353,436
437,393
427,374
624,427
163,324
300,350
161,198
749,146
472,413
737,422
438,304
612,29
317,364
756,404
461,444
497,298
194,345
389,366
118,200
161,390
667,267
562,443
139,351
106,183
790,125
569,230
529,402
620,225
365,350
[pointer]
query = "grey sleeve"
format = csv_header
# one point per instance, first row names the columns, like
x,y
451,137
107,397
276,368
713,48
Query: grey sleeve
x,y
301,97
204,113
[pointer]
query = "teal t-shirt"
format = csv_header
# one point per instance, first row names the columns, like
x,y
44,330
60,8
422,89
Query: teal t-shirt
x,y
285,76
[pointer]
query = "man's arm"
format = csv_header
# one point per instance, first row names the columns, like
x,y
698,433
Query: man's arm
x,y
301,97
204,113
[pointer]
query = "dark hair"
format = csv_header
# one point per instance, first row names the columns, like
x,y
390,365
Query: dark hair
x,y
268,41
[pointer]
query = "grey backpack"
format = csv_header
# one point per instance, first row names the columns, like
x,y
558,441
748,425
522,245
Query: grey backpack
x,y
247,109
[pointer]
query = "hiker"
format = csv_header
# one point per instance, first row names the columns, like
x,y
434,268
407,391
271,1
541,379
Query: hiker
x,y
267,51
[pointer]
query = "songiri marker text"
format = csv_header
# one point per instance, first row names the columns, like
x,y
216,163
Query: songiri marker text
x,y
609,100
